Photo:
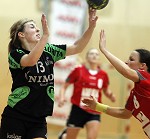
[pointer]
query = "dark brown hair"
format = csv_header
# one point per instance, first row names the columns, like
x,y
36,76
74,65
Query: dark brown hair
x,y
144,57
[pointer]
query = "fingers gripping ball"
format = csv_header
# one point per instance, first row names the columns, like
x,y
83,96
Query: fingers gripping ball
x,y
97,4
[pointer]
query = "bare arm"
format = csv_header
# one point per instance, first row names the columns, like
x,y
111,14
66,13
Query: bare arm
x,y
32,58
119,112
80,44
120,66
112,111
62,91
109,94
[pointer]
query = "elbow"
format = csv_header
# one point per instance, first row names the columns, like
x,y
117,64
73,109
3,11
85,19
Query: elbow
x,y
77,49
32,62
122,116
126,114
78,46
126,117
129,74
28,63
126,74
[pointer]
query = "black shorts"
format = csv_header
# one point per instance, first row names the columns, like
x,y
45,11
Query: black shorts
x,y
12,128
78,117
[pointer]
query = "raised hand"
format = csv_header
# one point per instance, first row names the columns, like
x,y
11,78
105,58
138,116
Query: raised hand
x,y
92,18
44,25
102,41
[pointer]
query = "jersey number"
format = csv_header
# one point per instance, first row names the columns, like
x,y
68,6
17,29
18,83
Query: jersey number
x,y
40,67
142,118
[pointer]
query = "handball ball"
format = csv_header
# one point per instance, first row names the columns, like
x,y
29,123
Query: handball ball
x,y
97,4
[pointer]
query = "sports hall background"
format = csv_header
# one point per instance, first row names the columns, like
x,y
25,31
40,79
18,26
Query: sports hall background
x,y
127,26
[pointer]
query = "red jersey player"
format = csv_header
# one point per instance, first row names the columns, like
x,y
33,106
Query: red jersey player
x,y
87,80
137,69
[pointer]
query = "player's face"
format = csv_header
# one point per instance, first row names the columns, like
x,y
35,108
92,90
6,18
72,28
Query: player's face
x,y
31,32
133,61
93,56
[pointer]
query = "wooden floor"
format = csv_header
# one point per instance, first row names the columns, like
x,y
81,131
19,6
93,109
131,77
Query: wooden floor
x,y
54,130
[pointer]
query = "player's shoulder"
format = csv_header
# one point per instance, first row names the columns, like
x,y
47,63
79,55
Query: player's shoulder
x,y
143,73
55,46
16,53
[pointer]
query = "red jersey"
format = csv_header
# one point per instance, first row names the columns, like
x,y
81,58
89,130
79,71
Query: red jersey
x,y
86,84
139,101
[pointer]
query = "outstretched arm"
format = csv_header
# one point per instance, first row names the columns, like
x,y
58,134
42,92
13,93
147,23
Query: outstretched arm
x,y
120,66
112,111
80,44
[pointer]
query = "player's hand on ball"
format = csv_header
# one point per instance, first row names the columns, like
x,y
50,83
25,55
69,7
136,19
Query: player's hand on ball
x,y
97,4
92,18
